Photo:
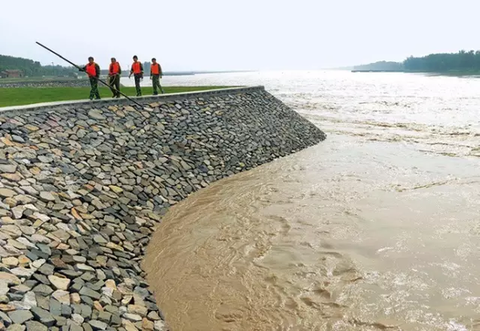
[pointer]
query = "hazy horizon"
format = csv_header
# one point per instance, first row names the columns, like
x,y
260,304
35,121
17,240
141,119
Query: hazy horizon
x,y
213,35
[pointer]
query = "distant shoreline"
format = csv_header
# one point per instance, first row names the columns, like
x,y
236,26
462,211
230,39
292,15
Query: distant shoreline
x,y
437,73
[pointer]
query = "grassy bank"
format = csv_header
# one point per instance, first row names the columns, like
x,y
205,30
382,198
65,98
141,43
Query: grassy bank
x,y
26,96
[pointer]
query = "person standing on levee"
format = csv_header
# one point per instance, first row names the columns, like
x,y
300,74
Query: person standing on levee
x,y
114,73
93,71
137,72
155,75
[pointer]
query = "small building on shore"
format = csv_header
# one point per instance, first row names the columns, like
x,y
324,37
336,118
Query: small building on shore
x,y
11,74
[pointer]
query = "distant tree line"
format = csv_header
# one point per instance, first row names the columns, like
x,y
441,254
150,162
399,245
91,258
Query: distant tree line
x,y
444,62
33,68
462,61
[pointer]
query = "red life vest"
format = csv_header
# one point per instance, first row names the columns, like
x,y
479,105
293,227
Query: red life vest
x,y
136,67
155,69
114,68
90,69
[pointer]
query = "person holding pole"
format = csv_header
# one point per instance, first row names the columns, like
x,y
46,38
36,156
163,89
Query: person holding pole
x,y
79,68
114,73
93,71
137,71
155,75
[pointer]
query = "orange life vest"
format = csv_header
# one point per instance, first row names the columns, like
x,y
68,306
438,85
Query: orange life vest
x,y
155,69
91,71
114,68
136,67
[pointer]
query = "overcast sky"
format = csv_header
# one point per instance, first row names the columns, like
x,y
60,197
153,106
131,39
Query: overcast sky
x,y
247,34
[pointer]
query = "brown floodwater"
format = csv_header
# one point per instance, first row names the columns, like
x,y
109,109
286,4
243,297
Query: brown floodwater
x,y
376,228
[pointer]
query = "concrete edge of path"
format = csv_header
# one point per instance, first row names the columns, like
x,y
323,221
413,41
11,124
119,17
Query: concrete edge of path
x,y
124,101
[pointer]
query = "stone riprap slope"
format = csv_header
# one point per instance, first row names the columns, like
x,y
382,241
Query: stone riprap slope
x,y
47,83
83,185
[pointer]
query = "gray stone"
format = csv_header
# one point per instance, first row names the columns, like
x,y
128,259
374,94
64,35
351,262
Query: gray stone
x,y
86,311
6,193
66,311
20,316
153,315
59,282
99,239
104,317
98,325
75,327
45,317
17,138
62,296
8,168
90,293
96,114
132,317
87,327
36,326
43,290
47,196
16,327
77,318
47,269
4,317
22,272
29,300
55,308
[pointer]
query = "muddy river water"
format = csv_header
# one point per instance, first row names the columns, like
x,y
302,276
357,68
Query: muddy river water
x,y
376,228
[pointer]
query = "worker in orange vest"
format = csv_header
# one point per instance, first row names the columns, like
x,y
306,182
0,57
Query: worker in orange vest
x,y
114,73
93,71
155,75
137,71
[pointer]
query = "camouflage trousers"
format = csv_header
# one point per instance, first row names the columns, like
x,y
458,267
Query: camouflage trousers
x,y
94,88
114,82
156,84
137,84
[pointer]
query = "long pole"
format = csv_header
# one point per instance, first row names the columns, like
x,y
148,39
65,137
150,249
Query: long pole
x,y
73,64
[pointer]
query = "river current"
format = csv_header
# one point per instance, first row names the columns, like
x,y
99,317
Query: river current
x,y
376,228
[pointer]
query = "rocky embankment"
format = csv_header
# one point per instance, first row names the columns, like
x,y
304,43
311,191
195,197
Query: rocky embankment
x,y
47,83
83,185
